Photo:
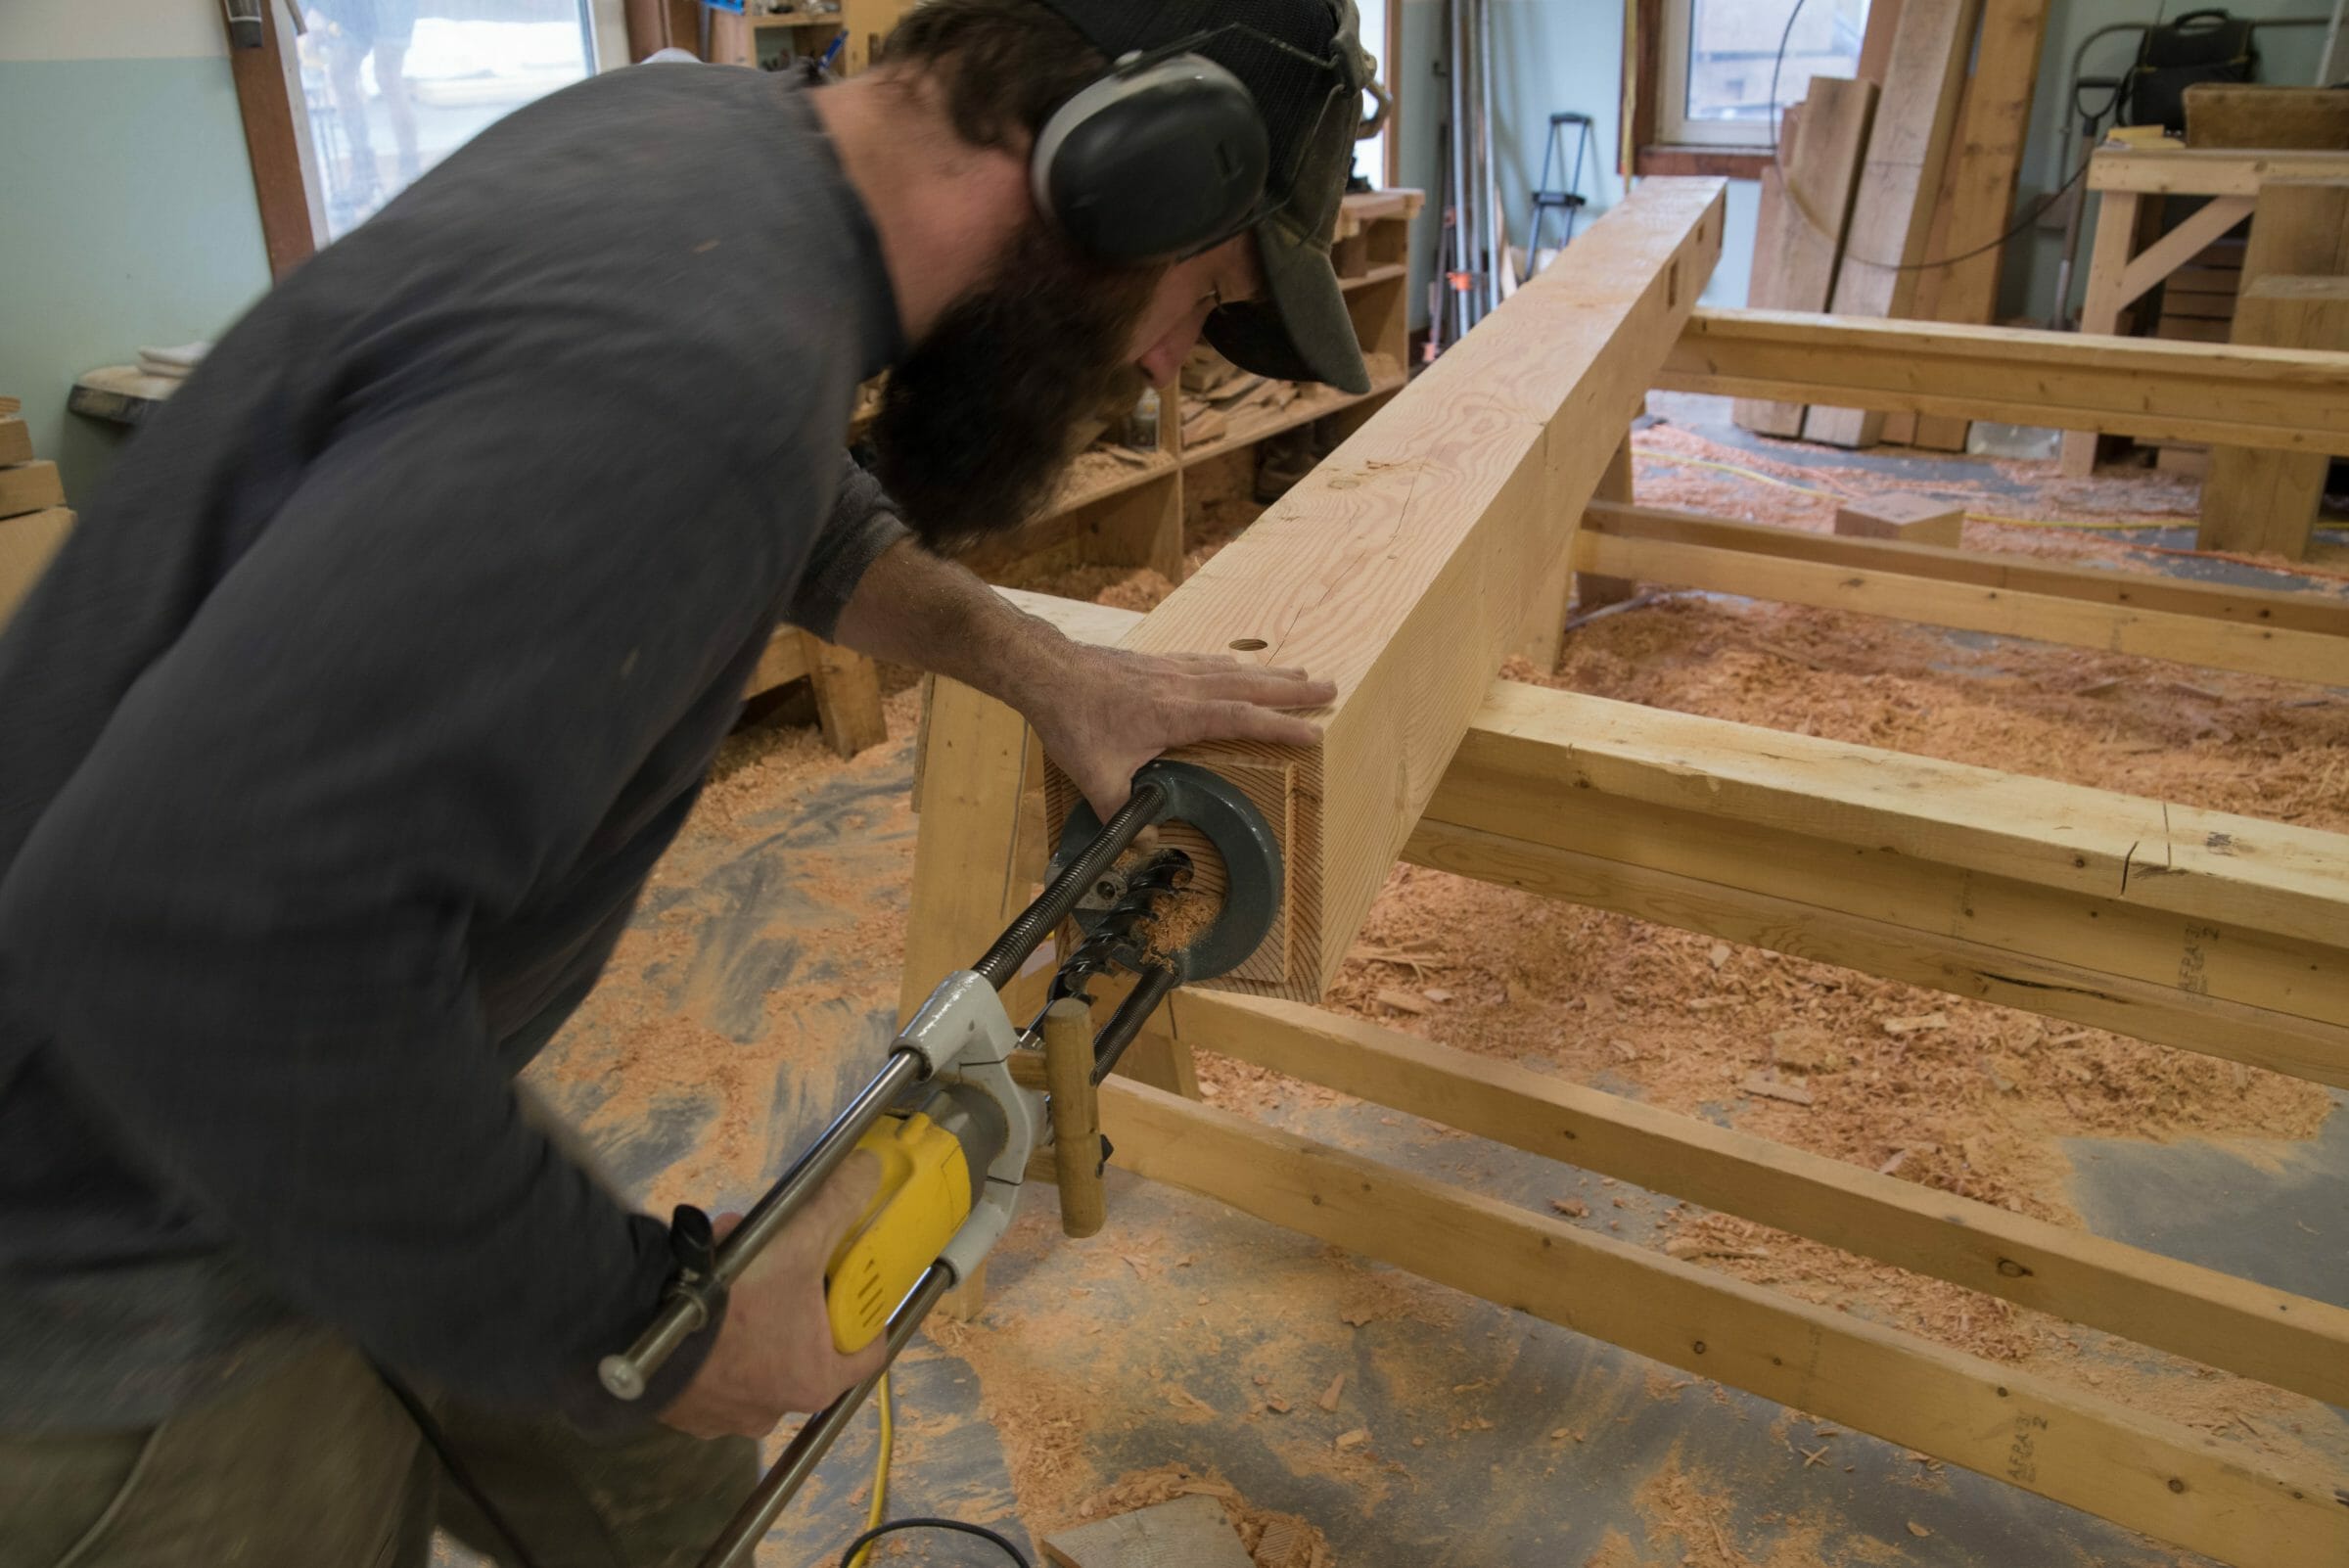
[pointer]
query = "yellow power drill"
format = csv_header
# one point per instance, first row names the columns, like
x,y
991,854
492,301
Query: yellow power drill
x,y
960,1105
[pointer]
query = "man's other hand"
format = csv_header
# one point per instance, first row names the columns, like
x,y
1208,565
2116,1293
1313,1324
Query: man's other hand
x,y
774,1355
1105,711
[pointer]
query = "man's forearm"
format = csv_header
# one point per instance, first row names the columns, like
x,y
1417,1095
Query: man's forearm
x,y
915,607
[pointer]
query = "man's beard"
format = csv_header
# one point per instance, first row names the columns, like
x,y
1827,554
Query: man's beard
x,y
975,425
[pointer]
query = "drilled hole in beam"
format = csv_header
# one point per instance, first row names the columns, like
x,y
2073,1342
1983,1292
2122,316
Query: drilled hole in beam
x,y
1249,645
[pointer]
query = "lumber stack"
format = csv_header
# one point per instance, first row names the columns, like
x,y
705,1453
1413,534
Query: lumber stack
x,y
1873,189
1892,206
34,519
1805,204
1977,194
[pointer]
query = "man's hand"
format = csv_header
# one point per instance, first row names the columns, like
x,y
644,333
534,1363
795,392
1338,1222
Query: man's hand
x,y
775,1353
1103,712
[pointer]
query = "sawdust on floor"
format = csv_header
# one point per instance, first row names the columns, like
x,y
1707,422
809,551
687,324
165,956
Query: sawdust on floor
x,y
1961,1096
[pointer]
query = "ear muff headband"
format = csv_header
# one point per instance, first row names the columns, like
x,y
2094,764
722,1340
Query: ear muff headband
x,y
1163,157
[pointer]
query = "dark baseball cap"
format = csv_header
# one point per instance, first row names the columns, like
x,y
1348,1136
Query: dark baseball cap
x,y
1303,63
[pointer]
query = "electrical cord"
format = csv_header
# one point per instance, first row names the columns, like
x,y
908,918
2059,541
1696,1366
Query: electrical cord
x,y
442,1450
881,1461
958,1526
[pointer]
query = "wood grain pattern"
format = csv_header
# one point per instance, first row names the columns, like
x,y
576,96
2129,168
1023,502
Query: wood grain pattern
x,y
30,488
27,543
2172,979
2286,399
2299,228
1731,900
2077,1447
2267,502
2243,115
1528,743
1404,567
2175,172
2189,622
1798,239
1984,167
2290,1341
1892,207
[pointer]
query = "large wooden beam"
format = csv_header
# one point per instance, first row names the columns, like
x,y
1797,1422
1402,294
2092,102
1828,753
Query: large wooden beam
x,y
1529,745
2290,1341
2207,172
1647,843
1829,924
2288,400
1407,565
2075,1447
2296,636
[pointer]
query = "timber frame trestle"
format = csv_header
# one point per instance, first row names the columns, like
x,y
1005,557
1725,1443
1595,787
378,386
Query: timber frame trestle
x,y
2195,929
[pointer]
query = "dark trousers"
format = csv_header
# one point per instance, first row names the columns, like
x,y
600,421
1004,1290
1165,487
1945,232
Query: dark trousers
x,y
315,1464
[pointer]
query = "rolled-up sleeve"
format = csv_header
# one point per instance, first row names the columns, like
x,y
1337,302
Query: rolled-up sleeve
x,y
864,522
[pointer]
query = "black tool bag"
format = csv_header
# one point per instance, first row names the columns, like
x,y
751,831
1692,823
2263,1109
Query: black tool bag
x,y
2199,46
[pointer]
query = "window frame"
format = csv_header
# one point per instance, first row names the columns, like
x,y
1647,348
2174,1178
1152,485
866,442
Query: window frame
x,y
277,140
1651,72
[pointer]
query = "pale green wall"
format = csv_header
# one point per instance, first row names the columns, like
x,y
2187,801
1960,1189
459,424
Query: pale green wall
x,y
129,219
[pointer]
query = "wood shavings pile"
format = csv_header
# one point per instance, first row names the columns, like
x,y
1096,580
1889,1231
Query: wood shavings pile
x,y
1297,1542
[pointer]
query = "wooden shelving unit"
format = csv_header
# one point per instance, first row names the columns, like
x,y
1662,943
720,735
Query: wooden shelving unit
x,y
737,38
1121,518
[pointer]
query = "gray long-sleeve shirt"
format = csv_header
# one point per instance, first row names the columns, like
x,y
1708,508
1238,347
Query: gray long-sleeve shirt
x,y
341,737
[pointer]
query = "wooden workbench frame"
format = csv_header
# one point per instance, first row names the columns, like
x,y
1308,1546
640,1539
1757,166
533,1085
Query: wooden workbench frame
x,y
2200,930
2123,268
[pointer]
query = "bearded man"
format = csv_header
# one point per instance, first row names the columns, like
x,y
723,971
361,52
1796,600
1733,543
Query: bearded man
x,y
342,735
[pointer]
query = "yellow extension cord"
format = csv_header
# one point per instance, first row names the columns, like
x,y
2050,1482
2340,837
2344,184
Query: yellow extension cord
x,y
889,1440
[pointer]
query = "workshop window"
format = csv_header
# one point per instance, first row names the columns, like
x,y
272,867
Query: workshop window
x,y
1703,100
347,102
391,87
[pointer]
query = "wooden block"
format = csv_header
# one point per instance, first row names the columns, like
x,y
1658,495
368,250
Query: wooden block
x,y
1187,1533
2299,228
1798,236
30,488
2183,460
1892,207
27,543
1406,566
848,697
16,440
2208,173
1913,518
2245,114
2266,502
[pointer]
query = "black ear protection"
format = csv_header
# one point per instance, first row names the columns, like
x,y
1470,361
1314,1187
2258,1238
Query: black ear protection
x,y
1162,157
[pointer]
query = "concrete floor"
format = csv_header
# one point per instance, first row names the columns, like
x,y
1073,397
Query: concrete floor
x,y
1185,1294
